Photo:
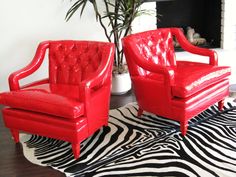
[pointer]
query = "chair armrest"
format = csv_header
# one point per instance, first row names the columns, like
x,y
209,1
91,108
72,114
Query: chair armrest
x,y
30,68
167,71
186,45
100,75
102,71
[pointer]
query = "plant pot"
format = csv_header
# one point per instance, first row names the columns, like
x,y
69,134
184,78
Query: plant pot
x,y
121,83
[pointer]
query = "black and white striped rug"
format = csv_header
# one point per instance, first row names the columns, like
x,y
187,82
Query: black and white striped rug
x,y
146,146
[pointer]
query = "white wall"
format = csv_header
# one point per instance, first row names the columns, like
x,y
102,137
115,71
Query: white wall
x,y
145,22
25,23
228,28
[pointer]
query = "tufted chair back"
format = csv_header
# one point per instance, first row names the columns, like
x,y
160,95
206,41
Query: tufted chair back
x,y
71,62
154,46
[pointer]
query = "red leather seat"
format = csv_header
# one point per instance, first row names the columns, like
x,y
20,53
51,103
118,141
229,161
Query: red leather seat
x,y
192,77
72,103
47,98
173,88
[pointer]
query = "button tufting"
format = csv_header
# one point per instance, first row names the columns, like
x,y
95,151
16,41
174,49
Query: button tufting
x,y
77,59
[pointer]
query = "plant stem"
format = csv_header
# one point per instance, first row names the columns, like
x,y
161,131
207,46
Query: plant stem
x,y
100,21
104,27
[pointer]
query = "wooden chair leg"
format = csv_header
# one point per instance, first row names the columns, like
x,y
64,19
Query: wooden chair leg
x,y
15,135
76,150
140,112
183,128
221,105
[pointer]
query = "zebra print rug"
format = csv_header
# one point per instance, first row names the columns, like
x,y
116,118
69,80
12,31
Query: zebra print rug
x,y
146,146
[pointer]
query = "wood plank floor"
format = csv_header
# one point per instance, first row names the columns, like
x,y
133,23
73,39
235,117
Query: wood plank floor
x,y
14,164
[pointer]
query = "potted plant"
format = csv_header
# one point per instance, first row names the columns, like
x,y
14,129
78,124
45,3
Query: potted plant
x,y
115,18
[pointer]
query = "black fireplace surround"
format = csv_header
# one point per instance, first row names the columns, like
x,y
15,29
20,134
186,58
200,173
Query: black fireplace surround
x,y
202,15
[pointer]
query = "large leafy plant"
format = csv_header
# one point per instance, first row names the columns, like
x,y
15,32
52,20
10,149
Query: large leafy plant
x,y
115,18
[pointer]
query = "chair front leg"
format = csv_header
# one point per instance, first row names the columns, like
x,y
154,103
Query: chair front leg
x,y
76,150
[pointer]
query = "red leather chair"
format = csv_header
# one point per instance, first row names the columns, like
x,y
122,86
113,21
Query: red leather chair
x,y
72,103
170,88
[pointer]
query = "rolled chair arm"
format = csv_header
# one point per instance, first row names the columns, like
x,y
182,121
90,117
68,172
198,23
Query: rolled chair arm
x,y
186,45
167,72
102,71
100,75
30,68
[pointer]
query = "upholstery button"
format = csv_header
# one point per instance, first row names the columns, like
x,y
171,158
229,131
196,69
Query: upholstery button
x,y
60,48
74,48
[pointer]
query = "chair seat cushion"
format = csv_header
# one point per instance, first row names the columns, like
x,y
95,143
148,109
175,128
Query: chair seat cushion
x,y
54,99
191,77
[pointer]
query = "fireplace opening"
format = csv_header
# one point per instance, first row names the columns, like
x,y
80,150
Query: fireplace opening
x,y
199,19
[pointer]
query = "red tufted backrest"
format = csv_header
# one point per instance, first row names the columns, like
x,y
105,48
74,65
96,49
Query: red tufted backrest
x,y
70,62
155,46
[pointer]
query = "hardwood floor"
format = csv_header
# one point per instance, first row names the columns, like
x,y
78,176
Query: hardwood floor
x,y
14,164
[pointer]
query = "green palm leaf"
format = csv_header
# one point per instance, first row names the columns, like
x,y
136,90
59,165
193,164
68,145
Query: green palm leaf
x,y
119,13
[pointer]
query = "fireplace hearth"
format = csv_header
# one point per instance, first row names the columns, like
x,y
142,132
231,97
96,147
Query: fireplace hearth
x,y
204,17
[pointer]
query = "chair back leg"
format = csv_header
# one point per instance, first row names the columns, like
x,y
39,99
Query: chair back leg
x,y
183,127
15,135
140,112
221,104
